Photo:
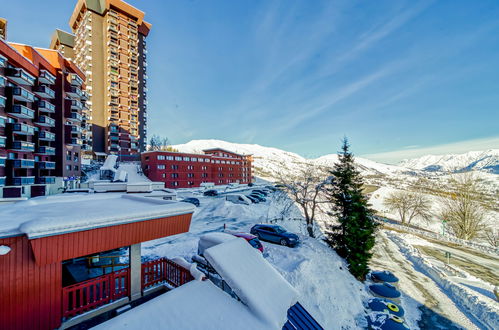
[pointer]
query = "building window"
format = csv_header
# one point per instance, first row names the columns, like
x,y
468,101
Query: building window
x,y
178,158
161,167
190,175
174,175
174,167
169,157
163,175
174,184
161,157
206,160
187,159
76,167
68,167
190,167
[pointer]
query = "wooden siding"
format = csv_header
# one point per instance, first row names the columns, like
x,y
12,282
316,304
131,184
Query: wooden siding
x,y
30,296
31,273
52,249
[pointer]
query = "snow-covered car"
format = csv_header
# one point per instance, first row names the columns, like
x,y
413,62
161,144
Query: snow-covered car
x,y
258,196
275,234
253,199
210,192
238,199
251,239
191,200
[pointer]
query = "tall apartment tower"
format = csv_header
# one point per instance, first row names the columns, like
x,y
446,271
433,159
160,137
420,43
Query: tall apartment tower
x,y
110,47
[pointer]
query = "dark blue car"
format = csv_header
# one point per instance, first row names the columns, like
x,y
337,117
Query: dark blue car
x,y
275,234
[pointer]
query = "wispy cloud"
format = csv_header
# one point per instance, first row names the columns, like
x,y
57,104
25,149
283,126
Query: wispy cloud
x,y
441,149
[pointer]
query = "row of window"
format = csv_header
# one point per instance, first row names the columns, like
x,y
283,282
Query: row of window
x,y
192,175
195,159
191,183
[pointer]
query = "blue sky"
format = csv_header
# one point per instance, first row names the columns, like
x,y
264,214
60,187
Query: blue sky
x,y
399,78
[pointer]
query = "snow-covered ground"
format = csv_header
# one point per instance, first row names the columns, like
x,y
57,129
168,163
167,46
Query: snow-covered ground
x,y
325,287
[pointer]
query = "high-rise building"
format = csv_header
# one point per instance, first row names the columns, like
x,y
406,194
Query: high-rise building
x,y
40,99
110,47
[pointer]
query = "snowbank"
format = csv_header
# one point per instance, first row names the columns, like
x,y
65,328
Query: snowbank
x,y
259,286
45,216
195,305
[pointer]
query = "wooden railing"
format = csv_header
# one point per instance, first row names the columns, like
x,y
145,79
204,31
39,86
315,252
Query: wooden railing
x,y
84,296
164,270
87,295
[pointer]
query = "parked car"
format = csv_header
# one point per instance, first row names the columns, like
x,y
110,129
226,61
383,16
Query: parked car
x,y
251,239
259,197
238,199
275,234
260,191
191,200
211,192
251,184
253,199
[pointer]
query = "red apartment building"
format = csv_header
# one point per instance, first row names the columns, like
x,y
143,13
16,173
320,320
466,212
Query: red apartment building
x,y
184,170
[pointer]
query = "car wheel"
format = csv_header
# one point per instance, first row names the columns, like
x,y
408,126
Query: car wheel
x,y
284,242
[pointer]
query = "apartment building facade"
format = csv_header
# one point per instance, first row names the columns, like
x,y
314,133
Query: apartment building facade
x,y
185,170
34,111
110,47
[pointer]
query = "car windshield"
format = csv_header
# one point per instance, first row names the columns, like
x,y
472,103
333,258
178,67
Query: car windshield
x,y
279,229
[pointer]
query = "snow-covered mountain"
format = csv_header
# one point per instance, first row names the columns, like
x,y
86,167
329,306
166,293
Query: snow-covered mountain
x,y
486,161
269,162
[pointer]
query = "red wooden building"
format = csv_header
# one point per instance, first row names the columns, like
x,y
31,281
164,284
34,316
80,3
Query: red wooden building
x,y
64,259
185,170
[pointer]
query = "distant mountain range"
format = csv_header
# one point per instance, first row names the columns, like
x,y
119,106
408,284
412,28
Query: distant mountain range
x,y
485,161
268,161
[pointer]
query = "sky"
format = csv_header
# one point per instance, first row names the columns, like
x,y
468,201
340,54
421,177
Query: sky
x,y
399,78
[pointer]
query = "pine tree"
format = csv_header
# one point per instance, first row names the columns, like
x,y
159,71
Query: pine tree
x,y
353,236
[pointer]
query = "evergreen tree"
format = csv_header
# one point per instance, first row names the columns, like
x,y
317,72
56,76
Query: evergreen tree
x,y
353,236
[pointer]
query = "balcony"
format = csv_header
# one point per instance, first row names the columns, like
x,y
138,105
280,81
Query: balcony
x,y
73,129
21,111
23,146
76,105
23,129
74,92
20,76
3,102
45,180
46,136
75,116
21,181
23,163
2,161
23,95
44,91
43,150
75,80
75,142
86,147
45,106
3,141
46,78
46,165
2,181
84,95
45,121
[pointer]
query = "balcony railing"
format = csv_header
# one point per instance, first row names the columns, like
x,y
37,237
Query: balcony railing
x,y
23,163
84,95
44,91
3,101
44,150
20,76
23,95
76,80
46,77
73,129
76,142
3,141
23,180
46,136
23,146
2,181
21,111
46,165
23,129
46,106
76,105
2,161
76,116
84,296
74,92
45,121
45,180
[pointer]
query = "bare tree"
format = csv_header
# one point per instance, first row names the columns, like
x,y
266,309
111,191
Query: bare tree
x,y
463,206
306,188
491,235
283,204
159,143
409,205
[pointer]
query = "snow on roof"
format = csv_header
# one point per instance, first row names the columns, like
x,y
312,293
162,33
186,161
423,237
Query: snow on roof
x,y
259,286
195,305
211,239
110,163
59,214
